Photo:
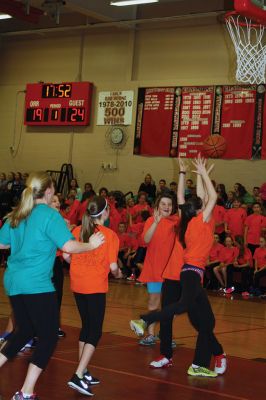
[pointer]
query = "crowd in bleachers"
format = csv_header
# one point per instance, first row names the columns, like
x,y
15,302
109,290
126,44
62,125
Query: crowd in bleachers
x,y
239,250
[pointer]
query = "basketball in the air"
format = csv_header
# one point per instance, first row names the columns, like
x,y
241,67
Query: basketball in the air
x,y
214,146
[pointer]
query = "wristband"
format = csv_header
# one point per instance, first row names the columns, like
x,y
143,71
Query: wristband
x,y
182,172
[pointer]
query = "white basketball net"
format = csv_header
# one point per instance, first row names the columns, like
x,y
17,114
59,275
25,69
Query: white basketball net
x,y
250,51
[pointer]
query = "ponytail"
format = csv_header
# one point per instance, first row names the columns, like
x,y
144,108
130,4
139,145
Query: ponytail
x,y
95,208
36,185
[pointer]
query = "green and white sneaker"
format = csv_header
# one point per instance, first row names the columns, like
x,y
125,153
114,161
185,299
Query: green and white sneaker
x,y
138,326
201,371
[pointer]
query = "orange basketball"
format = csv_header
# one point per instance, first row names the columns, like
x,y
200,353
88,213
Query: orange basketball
x,y
214,146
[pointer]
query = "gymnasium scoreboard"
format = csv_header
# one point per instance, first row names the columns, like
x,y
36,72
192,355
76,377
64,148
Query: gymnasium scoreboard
x,y
58,104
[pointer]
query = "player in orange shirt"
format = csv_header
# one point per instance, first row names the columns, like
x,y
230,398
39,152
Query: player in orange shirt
x,y
159,234
89,282
196,236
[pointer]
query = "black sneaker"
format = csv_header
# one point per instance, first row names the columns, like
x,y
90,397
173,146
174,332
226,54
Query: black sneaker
x,y
80,385
90,379
61,333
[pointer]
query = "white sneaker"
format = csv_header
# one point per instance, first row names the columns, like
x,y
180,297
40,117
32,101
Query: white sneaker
x,y
161,362
220,364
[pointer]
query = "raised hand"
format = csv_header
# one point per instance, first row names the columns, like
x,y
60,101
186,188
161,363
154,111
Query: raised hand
x,y
182,165
157,216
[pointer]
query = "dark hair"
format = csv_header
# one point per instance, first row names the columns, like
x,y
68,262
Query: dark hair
x,y
168,195
88,195
88,225
145,215
103,188
241,189
188,211
240,241
162,180
173,183
142,194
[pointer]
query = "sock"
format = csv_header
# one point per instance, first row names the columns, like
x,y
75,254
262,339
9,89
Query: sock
x,y
195,366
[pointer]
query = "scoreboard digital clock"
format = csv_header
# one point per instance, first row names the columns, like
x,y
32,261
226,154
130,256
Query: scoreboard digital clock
x,y
66,103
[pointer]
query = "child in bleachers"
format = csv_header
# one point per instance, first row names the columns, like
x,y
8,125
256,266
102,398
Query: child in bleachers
x,y
235,219
260,265
137,259
242,263
140,206
210,280
227,257
255,223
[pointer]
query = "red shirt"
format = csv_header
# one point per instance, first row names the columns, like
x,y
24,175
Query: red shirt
x,y
124,241
260,257
219,214
246,258
72,215
136,230
137,210
228,255
235,218
255,223
215,252
199,241
159,248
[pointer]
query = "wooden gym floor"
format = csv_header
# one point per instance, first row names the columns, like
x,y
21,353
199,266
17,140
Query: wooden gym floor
x,y
122,365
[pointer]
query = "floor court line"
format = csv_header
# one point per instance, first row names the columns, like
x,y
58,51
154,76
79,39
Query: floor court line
x,y
222,395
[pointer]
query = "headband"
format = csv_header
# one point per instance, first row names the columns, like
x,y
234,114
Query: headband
x,y
97,215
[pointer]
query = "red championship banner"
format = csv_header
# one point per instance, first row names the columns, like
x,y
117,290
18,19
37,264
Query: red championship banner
x,y
154,121
175,121
195,119
237,120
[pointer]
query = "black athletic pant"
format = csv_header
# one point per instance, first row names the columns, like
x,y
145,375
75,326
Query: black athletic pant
x,y
257,277
195,301
91,310
245,276
58,279
171,292
35,315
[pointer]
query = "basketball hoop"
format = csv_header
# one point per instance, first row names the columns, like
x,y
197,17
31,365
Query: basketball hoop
x,y
247,38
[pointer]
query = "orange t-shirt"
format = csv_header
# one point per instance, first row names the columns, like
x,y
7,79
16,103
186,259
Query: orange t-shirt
x,y
136,210
199,241
89,271
260,257
175,262
159,248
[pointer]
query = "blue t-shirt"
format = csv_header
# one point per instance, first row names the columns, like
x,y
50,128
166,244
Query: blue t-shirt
x,y
33,243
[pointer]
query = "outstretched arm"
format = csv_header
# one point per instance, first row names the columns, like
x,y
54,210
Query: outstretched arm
x,y
181,182
200,165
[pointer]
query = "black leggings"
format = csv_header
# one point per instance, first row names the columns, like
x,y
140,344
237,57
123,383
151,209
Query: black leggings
x,y
171,292
35,315
245,276
58,279
194,301
91,310
258,276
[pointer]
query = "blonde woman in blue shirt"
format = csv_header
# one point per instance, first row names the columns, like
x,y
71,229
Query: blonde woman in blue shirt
x,y
34,231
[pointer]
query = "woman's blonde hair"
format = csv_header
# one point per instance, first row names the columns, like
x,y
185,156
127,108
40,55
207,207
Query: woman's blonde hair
x,y
36,185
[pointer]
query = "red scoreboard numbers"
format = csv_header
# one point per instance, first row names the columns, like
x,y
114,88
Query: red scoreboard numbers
x,y
67,103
